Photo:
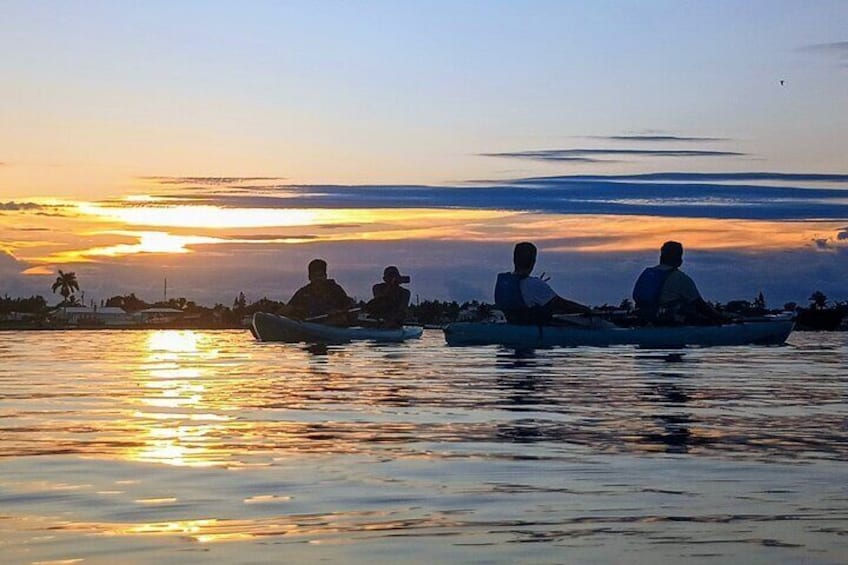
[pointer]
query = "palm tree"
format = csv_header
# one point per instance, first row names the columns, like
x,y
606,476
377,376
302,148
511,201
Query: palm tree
x,y
67,284
819,300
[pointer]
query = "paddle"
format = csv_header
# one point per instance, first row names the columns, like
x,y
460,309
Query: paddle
x,y
583,321
330,314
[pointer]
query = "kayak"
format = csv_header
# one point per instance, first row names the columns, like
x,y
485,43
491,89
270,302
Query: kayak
x,y
271,327
769,332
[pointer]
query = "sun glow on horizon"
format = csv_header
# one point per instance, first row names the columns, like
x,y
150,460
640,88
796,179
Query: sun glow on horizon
x,y
148,242
204,216
331,225
588,234
92,232
215,217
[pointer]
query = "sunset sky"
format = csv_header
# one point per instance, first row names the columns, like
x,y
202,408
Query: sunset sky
x,y
223,145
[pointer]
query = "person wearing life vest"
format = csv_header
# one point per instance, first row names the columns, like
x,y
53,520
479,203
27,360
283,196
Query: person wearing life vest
x,y
322,298
530,300
665,295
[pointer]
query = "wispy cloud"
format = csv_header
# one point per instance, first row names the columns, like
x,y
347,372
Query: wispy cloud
x,y
591,155
39,270
18,206
268,238
658,138
209,181
835,49
547,155
756,176
839,47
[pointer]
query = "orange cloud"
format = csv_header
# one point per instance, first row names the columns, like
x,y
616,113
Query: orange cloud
x,y
38,270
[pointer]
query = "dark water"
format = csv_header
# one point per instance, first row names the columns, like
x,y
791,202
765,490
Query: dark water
x,y
206,447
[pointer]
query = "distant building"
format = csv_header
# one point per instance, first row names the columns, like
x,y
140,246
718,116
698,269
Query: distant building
x,y
17,317
85,316
158,315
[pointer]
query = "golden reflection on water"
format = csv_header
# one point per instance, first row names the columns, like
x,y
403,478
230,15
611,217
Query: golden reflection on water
x,y
208,530
171,341
367,443
174,390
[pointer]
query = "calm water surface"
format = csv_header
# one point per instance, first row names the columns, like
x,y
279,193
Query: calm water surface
x,y
206,447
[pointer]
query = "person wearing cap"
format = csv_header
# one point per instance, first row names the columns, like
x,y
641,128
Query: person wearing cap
x,y
530,300
322,298
665,295
391,300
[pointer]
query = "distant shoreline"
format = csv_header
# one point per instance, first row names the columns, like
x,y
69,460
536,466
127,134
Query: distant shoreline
x,y
24,327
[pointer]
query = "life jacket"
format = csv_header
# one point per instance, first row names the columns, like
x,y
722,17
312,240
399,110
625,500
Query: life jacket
x,y
648,289
320,297
510,301
508,296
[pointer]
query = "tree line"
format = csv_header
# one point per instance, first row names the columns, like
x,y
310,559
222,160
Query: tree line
x,y
426,312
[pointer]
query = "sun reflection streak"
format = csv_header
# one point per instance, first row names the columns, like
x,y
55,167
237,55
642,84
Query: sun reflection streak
x,y
173,341
180,421
312,526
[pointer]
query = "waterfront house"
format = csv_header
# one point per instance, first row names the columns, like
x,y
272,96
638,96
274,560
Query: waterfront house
x,y
17,317
85,316
158,315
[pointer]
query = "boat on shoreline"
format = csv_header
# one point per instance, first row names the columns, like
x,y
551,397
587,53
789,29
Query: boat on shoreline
x,y
273,327
760,332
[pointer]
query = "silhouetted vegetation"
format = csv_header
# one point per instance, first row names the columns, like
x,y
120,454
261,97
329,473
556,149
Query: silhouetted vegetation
x,y
434,312
130,303
31,305
35,312
818,300
818,316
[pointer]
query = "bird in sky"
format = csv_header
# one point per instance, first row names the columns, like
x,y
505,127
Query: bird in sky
x,y
781,82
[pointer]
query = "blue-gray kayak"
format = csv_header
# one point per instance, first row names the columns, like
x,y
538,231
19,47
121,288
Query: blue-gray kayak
x,y
769,332
271,327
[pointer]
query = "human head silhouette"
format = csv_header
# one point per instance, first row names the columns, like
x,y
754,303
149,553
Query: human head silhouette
x,y
671,254
391,275
317,269
524,257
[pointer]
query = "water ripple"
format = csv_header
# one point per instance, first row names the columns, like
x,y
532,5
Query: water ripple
x,y
731,453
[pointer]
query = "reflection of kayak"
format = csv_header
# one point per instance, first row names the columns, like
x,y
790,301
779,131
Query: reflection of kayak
x,y
772,332
271,327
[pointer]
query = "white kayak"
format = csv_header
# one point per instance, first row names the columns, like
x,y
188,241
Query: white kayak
x,y
271,327
769,332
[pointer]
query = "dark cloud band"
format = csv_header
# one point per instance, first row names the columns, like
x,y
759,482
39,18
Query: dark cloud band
x,y
658,138
577,154
691,195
